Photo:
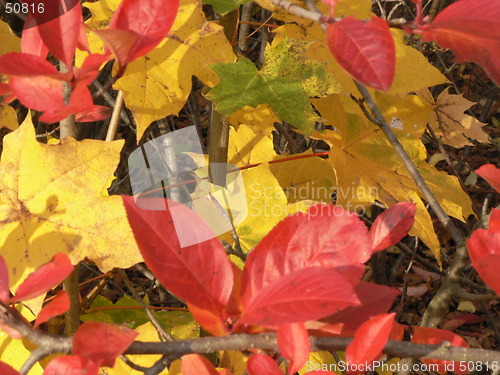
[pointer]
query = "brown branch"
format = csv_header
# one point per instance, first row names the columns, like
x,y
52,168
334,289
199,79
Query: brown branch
x,y
58,344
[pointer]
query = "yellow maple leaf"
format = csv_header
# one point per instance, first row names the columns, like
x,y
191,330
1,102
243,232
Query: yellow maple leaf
x,y
449,121
15,353
158,84
260,119
8,117
10,42
246,147
368,169
406,59
53,200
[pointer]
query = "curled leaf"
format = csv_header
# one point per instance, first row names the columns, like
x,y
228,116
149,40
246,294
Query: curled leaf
x,y
392,225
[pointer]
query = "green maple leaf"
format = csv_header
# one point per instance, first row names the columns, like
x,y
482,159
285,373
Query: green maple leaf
x,y
286,82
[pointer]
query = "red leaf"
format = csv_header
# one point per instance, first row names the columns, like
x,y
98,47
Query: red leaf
x,y
294,345
195,364
5,369
112,341
200,274
94,113
71,365
89,69
149,20
4,281
40,93
24,64
491,174
44,278
261,364
59,305
307,294
471,28
31,41
375,299
484,251
370,339
119,43
365,49
326,235
392,225
61,34
51,10
435,336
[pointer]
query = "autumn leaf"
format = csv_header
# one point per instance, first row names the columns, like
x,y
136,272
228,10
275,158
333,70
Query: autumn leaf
x,y
59,305
364,49
368,169
50,213
225,6
113,340
322,235
375,300
10,42
182,269
470,29
261,364
8,117
285,82
436,336
293,343
370,339
407,58
307,294
450,123
392,225
158,84
195,364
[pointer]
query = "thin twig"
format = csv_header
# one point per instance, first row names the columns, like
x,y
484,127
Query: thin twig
x,y
163,334
113,124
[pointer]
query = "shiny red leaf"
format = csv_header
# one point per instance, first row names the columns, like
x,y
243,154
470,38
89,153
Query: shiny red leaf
x,y
375,299
365,49
40,93
326,235
119,43
4,281
392,225
149,20
60,34
200,274
307,294
112,341
484,251
71,365
471,29
31,41
436,336
59,305
370,339
44,278
195,364
261,364
89,69
5,369
491,174
294,345
27,65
